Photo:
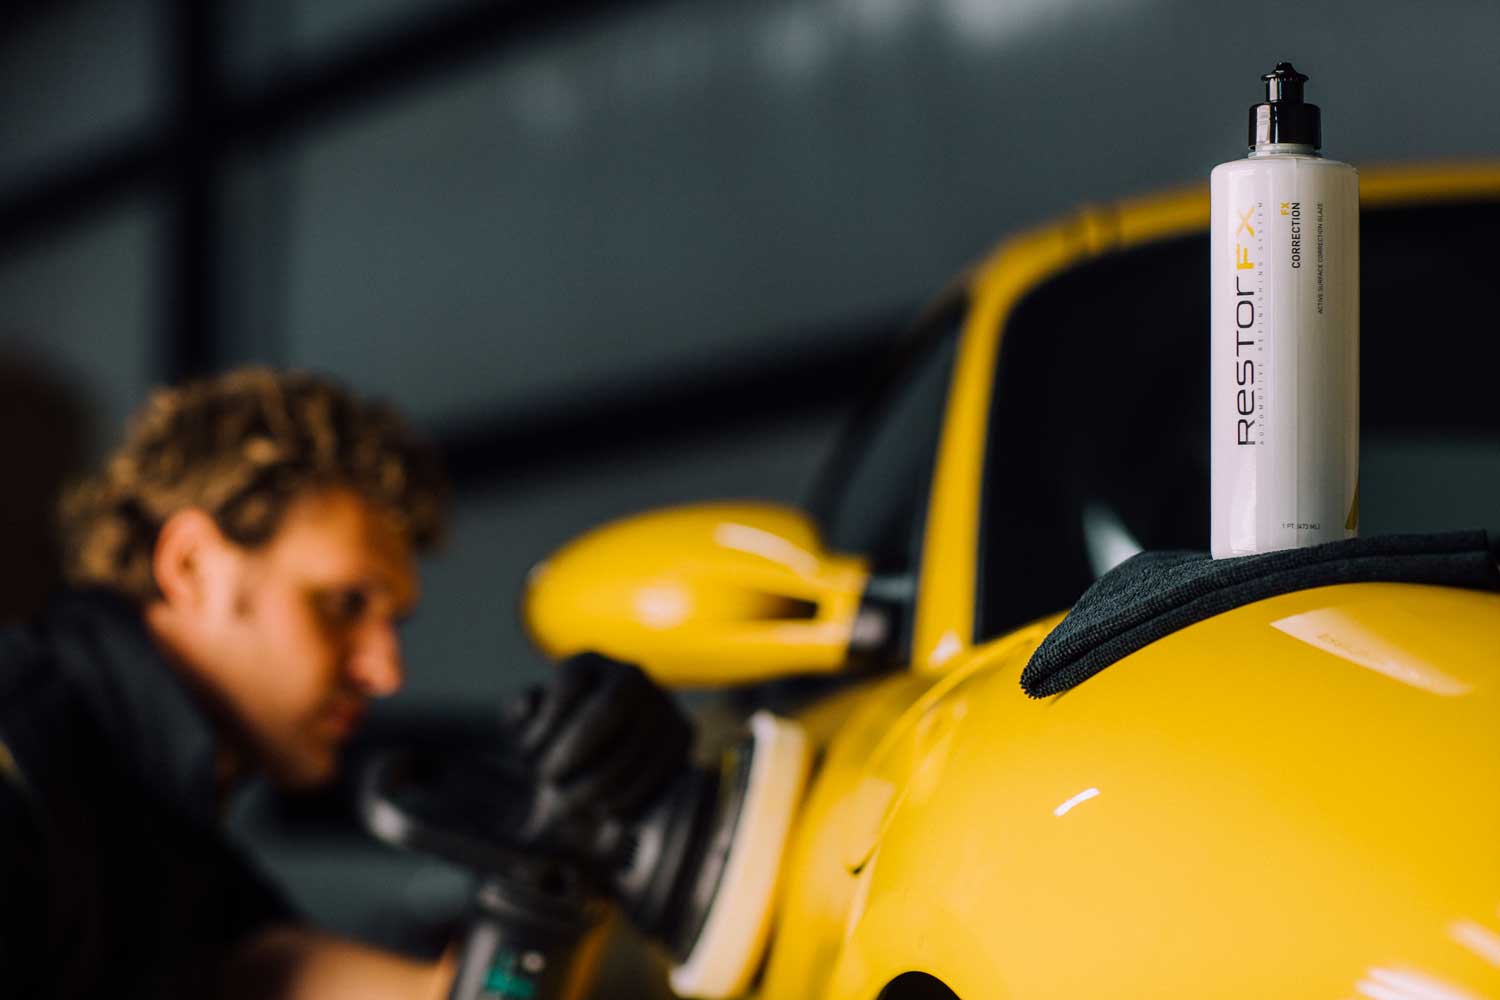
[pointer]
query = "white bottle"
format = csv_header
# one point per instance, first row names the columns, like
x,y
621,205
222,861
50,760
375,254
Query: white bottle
x,y
1284,382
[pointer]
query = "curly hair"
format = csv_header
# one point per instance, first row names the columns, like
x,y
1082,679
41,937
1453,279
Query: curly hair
x,y
242,446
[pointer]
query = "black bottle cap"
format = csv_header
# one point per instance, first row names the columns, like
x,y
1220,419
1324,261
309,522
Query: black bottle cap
x,y
1284,117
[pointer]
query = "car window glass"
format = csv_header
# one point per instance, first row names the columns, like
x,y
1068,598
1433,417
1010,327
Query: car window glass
x,y
874,492
1098,435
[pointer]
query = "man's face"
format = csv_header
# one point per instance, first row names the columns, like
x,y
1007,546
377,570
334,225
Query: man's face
x,y
303,633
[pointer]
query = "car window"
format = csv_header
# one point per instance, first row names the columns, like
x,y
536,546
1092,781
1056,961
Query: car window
x,y
872,496
1098,434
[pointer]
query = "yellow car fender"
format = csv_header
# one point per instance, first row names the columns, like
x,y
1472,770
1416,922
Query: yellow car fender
x,y
1191,822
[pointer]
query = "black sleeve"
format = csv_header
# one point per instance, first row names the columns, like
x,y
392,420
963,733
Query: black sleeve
x,y
23,896
218,903
249,901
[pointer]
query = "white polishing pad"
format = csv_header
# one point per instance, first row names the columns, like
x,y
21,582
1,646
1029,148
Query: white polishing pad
x,y
729,948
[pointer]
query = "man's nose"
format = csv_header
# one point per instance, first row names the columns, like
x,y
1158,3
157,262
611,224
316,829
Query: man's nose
x,y
375,666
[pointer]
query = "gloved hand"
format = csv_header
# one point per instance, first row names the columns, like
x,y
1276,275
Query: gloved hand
x,y
602,735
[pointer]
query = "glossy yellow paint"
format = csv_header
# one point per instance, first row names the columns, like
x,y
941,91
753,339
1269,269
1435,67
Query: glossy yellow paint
x,y
1300,797
946,592
710,594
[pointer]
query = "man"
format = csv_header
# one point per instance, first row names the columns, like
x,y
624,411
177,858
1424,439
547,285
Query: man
x,y
240,567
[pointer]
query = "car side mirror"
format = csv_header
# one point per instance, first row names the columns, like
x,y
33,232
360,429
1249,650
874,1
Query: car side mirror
x,y
708,594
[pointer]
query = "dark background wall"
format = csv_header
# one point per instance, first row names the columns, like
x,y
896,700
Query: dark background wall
x,y
614,255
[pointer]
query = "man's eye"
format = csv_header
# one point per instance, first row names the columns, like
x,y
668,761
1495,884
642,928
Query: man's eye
x,y
343,607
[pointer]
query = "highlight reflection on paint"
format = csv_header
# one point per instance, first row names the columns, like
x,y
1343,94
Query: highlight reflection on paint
x,y
1479,939
663,607
1083,796
1337,631
1390,984
757,542
948,647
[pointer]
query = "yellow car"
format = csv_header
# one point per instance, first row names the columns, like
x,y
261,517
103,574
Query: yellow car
x,y
1243,808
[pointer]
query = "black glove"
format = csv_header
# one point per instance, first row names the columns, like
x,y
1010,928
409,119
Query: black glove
x,y
602,735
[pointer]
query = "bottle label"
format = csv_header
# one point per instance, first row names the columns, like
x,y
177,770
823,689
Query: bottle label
x,y
1284,378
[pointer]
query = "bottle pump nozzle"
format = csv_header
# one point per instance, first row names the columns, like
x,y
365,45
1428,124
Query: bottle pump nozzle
x,y
1284,118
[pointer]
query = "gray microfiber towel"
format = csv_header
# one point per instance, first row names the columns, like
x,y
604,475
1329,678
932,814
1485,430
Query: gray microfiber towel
x,y
1153,594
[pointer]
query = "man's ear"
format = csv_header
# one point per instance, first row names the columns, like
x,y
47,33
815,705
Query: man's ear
x,y
189,558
